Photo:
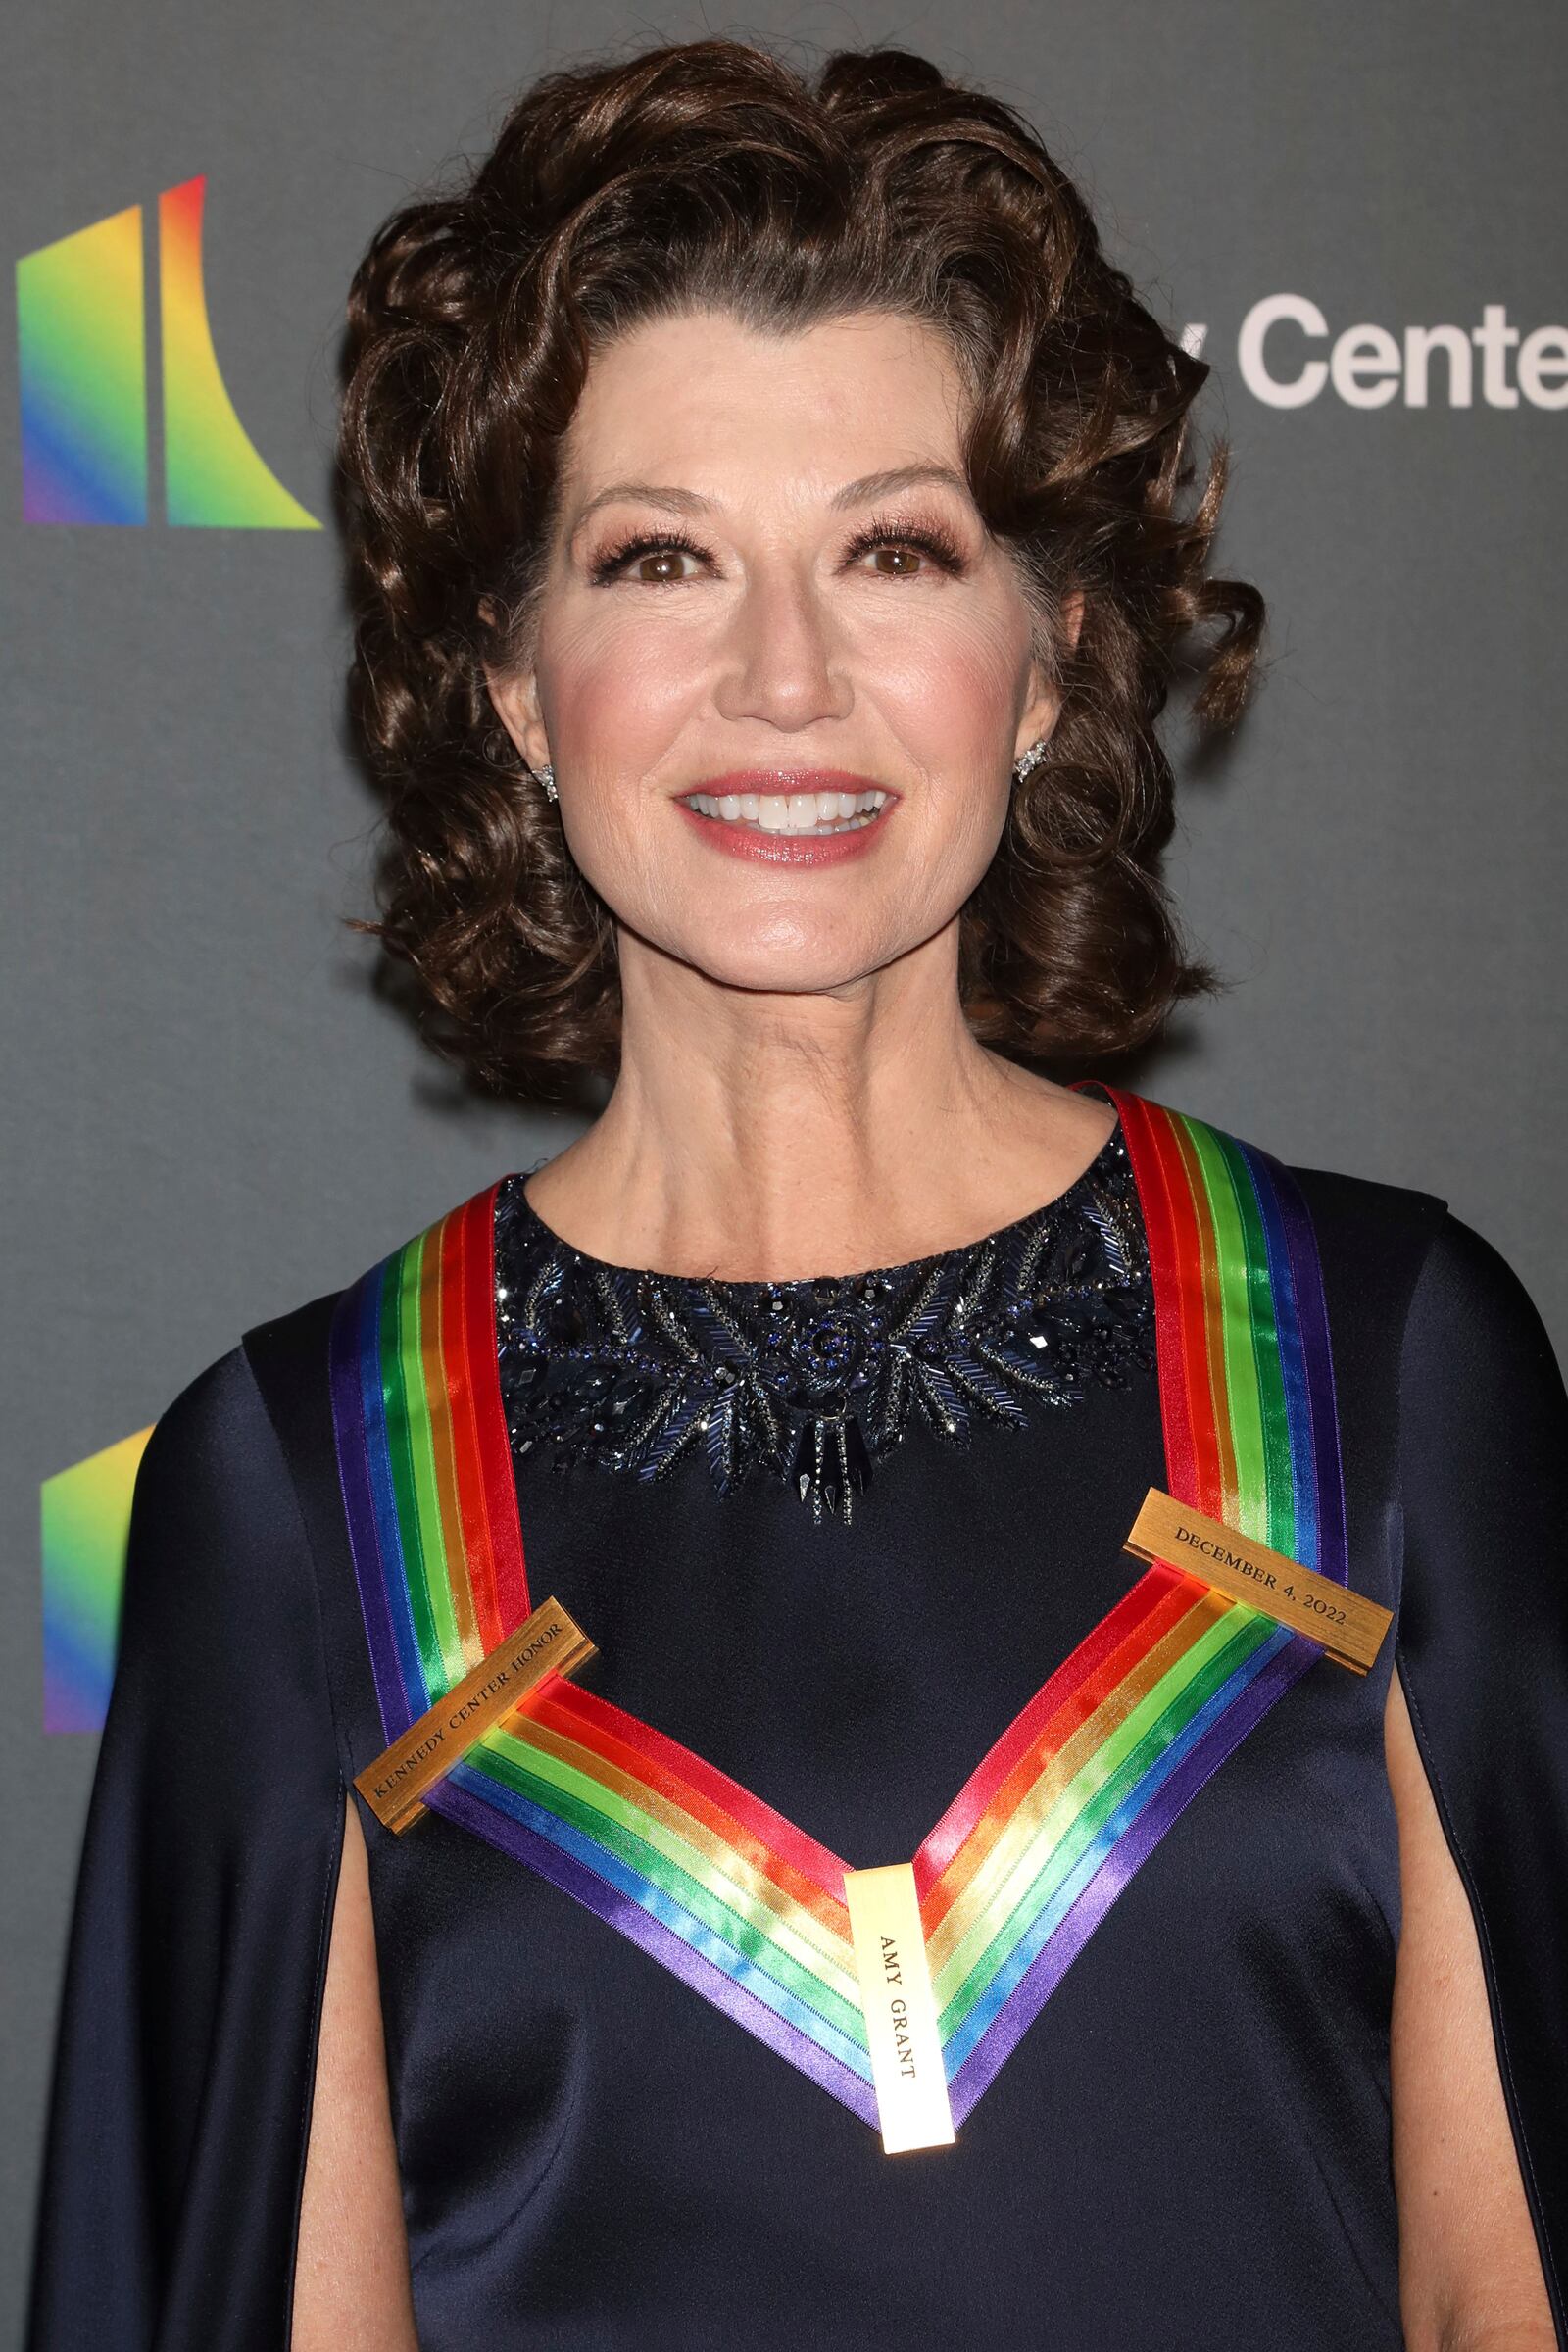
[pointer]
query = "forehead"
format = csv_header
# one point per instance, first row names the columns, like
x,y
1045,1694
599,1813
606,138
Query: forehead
x,y
734,413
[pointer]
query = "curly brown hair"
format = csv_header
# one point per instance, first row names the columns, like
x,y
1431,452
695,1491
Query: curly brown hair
x,y
710,174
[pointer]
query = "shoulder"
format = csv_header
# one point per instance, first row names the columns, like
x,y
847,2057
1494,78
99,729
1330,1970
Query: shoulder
x,y
1480,1376
219,1420
230,1403
1409,1282
219,1574
1465,1296
1368,1242
219,1478
1472,1304
220,1680
1483,1484
206,1428
1431,1315
212,1458
265,1392
1356,1222
1354,1212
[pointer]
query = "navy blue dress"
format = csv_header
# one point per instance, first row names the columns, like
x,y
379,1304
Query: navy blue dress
x,y
1189,2151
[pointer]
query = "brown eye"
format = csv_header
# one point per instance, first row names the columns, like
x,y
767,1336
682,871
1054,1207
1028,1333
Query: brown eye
x,y
895,561
906,551
659,566
647,562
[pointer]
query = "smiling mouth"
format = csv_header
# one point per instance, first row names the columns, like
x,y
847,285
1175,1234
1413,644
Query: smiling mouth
x,y
807,815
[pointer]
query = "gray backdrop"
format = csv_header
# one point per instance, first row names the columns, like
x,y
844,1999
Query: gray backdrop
x,y
208,1115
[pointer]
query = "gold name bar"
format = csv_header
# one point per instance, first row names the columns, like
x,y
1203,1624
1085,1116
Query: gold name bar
x,y
549,1642
1349,1627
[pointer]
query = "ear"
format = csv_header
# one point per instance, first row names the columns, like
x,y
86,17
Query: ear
x,y
1043,707
514,698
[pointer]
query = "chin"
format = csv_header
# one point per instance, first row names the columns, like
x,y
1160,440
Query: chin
x,y
800,968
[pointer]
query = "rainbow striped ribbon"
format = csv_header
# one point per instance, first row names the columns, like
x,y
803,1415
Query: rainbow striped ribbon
x,y
1072,1799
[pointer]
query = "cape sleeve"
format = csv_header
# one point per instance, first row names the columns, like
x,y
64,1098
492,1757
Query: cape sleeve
x,y
180,2101
1482,1647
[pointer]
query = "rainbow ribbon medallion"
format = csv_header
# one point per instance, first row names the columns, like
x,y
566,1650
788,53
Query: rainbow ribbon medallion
x,y
739,1902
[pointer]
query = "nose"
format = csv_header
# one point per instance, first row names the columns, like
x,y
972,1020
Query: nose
x,y
781,660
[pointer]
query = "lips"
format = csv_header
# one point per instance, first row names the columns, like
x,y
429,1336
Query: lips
x,y
809,802
797,816
788,779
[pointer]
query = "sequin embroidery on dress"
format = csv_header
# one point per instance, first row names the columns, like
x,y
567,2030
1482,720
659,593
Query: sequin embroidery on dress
x,y
815,1380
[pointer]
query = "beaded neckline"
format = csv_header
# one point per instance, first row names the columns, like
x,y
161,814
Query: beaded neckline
x,y
818,1379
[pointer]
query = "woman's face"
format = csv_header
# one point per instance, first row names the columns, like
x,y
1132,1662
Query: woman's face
x,y
768,588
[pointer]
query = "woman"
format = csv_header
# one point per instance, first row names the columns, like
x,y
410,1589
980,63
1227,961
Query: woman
x,y
772,541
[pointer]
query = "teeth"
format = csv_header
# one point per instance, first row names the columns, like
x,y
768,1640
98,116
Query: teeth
x,y
792,811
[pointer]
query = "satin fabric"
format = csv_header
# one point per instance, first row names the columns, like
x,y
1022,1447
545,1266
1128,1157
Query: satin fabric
x,y
1073,1796
1189,2146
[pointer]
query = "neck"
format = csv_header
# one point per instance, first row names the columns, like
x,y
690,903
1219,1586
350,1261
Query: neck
x,y
761,1136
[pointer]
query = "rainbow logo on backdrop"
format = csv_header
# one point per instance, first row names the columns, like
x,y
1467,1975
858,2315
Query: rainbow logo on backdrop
x,y
81,339
85,1514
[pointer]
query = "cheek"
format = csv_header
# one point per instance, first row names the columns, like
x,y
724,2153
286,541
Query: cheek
x,y
955,712
951,700
618,698
959,695
615,691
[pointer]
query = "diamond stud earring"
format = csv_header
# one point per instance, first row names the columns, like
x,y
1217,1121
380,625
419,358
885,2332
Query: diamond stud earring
x,y
547,777
1030,760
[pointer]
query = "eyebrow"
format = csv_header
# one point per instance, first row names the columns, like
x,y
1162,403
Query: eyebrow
x,y
853,494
